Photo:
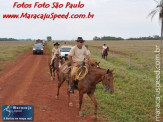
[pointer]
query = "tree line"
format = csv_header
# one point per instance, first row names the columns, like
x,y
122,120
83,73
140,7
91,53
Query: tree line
x,y
8,39
12,39
155,37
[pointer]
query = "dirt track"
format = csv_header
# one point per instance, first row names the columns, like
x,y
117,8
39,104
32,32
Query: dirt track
x,y
113,51
28,83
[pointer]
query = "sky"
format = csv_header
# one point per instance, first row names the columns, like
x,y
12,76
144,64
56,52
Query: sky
x,y
119,18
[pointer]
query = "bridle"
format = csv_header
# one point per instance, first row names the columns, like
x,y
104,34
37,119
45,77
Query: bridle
x,y
105,78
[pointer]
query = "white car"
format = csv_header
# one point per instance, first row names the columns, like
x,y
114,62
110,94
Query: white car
x,y
65,51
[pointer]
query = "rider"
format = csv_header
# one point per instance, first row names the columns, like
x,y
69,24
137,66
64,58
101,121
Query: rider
x,y
77,56
55,51
104,47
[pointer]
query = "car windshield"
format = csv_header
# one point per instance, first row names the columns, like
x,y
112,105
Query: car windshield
x,y
66,49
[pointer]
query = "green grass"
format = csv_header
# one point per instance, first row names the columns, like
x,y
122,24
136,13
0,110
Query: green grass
x,y
13,49
134,96
10,50
133,100
1,69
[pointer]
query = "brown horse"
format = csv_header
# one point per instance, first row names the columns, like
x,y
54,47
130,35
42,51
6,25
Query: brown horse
x,y
88,85
54,68
65,76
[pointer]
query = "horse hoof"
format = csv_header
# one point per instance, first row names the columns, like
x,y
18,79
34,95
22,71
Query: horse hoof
x,y
81,114
57,98
51,78
70,104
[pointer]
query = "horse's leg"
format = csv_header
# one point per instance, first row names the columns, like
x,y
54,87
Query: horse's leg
x,y
61,80
51,74
56,75
59,85
91,95
68,92
69,102
80,103
50,70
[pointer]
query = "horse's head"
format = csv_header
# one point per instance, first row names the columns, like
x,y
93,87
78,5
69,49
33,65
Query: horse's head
x,y
108,81
59,61
97,64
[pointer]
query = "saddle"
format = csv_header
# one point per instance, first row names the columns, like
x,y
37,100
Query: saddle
x,y
65,68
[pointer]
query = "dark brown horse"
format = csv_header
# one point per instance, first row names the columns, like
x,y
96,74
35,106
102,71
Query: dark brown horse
x,y
54,68
88,85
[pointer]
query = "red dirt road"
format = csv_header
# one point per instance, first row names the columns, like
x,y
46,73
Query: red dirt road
x,y
28,83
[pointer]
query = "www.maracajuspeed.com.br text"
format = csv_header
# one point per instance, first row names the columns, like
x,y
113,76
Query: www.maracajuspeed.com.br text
x,y
45,16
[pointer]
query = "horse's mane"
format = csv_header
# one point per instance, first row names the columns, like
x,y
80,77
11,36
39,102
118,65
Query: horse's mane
x,y
98,68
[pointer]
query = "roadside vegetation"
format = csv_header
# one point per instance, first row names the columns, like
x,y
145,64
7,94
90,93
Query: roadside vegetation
x,y
12,49
134,96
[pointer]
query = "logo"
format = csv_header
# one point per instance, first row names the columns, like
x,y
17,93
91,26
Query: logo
x,y
17,112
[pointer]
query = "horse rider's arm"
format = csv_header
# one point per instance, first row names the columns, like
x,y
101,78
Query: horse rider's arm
x,y
70,59
52,52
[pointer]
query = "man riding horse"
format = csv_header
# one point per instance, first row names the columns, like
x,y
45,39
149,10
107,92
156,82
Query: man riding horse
x,y
77,56
105,50
104,47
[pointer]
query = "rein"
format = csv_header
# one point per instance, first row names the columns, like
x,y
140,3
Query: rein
x,y
104,78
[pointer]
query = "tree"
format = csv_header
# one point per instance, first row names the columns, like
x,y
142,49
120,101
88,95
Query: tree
x,y
49,38
159,8
96,38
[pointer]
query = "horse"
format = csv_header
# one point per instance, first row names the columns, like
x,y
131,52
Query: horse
x,y
65,76
105,53
54,68
88,85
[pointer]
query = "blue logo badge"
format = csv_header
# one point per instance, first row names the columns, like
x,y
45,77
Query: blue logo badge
x,y
17,112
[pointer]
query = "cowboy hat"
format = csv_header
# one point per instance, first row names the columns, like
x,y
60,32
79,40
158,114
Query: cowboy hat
x,y
80,39
56,44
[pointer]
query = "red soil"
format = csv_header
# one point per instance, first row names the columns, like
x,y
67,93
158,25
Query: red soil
x,y
27,82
